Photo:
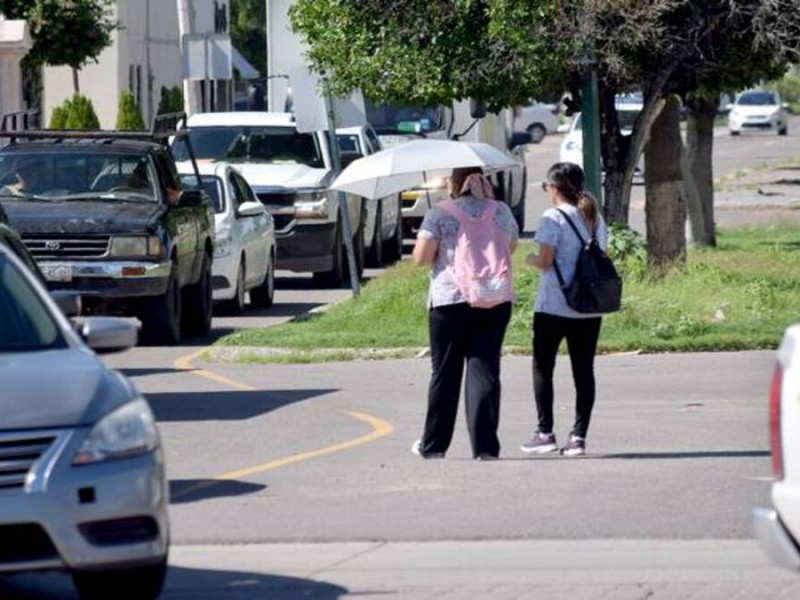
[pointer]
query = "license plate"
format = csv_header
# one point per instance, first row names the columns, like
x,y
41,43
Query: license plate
x,y
57,272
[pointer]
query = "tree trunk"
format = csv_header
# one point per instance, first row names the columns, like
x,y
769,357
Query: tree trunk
x,y
700,145
76,88
665,212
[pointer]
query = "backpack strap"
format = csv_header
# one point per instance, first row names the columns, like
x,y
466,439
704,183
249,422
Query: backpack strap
x,y
455,211
561,282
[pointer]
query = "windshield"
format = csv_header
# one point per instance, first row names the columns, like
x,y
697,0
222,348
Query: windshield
x,y
757,99
25,323
389,119
270,145
212,185
76,176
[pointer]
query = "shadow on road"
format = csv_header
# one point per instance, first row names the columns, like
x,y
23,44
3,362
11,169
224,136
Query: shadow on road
x,y
183,582
225,406
182,491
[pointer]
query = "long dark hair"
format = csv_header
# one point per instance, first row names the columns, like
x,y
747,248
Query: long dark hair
x,y
568,179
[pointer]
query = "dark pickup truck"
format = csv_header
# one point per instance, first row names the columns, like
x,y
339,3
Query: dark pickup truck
x,y
103,214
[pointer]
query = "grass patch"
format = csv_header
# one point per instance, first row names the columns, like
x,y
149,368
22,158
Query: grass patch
x,y
740,295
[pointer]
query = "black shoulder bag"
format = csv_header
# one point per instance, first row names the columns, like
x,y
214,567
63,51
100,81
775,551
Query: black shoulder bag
x,y
596,287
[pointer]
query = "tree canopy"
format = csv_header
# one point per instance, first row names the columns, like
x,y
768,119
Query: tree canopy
x,y
248,31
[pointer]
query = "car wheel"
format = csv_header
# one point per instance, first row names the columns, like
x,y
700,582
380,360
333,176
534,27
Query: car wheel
x,y
734,132
334,277
537,133
375,252
783,131
161,315
264,295
235,306
393,250
142,583
198,301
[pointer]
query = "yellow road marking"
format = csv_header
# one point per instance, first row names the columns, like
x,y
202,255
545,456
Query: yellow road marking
x,y
380,428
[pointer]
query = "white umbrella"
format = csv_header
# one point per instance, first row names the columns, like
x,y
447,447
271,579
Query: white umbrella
x,y
411,164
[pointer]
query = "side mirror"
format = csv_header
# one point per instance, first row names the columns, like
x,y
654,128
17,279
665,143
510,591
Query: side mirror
x,y
108,334
477,109
251,209
519,138
190,198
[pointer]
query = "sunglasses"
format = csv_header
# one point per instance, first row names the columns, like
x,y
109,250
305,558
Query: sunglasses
x,y
545,186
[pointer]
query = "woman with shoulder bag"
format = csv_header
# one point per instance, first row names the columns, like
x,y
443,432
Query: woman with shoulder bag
x,y
553,319
460,333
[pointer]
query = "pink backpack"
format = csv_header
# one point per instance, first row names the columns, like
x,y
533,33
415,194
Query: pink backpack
x,y
482,260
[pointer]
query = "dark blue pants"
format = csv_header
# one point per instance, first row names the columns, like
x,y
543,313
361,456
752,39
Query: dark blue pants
x,y
461,334
581,336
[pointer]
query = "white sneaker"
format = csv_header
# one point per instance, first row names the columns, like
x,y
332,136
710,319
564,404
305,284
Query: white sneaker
x,y
540,443
416,448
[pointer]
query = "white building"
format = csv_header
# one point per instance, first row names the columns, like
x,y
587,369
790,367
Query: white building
x,y
145,56
15,42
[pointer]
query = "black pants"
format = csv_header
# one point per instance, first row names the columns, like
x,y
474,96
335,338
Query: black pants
x,y
581,336
459,334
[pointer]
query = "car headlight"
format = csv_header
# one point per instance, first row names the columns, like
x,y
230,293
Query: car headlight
x,y
311,204
223,247
128,431
135,245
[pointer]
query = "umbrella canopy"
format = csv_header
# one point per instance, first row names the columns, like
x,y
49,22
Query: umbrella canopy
x,y
409,165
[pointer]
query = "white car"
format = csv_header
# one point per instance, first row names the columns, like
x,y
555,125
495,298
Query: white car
x,y
383,228
758,110
778,528
537,119
245,249
572,144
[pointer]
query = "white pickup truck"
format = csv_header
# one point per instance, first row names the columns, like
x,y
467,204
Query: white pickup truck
x,y
778,528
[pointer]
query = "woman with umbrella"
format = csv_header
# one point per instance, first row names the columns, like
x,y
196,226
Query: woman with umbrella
x,y
459,332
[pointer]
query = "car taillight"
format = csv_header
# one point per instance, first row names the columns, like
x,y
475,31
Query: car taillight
x,y
775,422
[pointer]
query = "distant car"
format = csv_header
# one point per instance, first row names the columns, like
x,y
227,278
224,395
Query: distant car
x,y
572,144
383,228
537,119
244,253
778,528
758,110
82,477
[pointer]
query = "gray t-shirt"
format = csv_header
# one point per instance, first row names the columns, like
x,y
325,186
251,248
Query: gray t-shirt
x,y
555,231
441,226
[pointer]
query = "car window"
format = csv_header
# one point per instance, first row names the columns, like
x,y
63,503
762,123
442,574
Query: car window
x,y
238,194
212,185
168,174
95,175
249,194
757,99
270,145
25,323
374,140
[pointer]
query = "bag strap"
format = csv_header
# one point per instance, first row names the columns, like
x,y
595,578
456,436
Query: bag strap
x,y
580,237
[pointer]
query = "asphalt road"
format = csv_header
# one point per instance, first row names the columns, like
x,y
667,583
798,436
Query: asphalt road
x,y
293,481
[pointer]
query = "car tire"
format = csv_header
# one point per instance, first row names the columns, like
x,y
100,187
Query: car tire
x,y
537,133
142,583
734,132
335,277
393,247
161,315
783,131
374,256
198,302
235,306
264,295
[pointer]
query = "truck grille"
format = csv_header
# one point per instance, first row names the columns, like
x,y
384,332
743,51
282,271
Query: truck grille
x,y
277,198
18,455
66,247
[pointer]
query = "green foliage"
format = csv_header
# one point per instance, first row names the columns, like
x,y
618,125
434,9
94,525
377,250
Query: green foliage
x,y
171,100
129,118
58,119
789,88
628,250
248,31
81,114
64,33
739,295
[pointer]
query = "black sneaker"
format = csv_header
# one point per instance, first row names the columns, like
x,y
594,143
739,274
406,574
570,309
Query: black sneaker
x,y
540,443
576,446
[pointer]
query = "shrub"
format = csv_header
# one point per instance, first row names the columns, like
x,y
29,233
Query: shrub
x,y
129,118
171,100
58,119
81,114
628,250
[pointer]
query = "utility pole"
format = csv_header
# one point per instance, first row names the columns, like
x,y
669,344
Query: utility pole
x,y
191,98
148,72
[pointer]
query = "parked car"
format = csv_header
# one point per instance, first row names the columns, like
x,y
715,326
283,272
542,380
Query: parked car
x,y
104,214
778,528
244,252
758,110
290,173
537,119
83,483
383,228
572,144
